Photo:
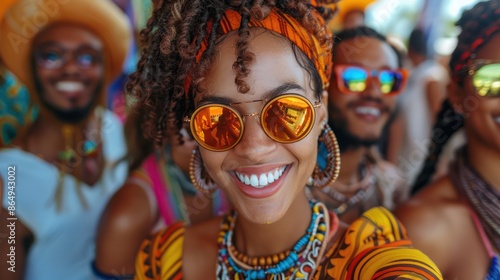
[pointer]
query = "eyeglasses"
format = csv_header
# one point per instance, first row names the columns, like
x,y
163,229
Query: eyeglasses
x,y
285,119
53,58
485,77
355,79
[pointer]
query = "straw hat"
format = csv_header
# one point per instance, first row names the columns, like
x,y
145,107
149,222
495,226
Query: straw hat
x,y
346,6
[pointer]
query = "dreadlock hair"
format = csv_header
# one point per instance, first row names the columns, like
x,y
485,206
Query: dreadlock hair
x,y
472,23
171,41
365,31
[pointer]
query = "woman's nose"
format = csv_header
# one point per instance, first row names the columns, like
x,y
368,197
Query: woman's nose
x,y
254,143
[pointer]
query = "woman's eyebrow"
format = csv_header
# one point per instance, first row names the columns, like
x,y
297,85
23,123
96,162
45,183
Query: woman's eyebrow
x,y
284,88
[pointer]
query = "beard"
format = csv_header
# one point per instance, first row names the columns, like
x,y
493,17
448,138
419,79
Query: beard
x,y
72,115
346,139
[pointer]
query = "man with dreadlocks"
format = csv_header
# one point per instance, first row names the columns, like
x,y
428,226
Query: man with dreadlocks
x,y
456,220
66,53
266,65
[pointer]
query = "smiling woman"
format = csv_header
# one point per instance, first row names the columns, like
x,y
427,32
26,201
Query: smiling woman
x,y
462,209
251,78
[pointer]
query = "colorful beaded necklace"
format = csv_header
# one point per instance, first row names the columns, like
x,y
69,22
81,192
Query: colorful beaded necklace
x,y
298,263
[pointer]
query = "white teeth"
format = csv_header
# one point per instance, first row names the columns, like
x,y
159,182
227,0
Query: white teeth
x,y
368,111
262,180
270,178
254,181
69,86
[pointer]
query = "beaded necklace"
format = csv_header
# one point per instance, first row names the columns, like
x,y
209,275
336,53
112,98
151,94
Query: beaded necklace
x,y
88,149
298,263
364,188
484,199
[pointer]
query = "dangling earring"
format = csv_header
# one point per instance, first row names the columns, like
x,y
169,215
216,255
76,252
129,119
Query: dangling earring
x,y
199,176
327,167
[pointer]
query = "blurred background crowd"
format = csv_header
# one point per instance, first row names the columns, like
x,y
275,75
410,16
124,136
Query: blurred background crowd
x,y
143,188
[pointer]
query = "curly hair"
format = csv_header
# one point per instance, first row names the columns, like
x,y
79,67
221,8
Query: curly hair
x,y
473,23
171,42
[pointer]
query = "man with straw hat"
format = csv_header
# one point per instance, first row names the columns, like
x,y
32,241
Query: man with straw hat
x,y
59,174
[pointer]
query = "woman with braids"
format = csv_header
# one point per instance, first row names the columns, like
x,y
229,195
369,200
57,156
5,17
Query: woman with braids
x,y
267,64
456,220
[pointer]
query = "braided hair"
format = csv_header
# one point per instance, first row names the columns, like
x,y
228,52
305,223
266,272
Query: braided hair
x,y
171,41
472,23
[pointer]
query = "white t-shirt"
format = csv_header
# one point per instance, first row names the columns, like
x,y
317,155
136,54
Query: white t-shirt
x,y
63,246
417,118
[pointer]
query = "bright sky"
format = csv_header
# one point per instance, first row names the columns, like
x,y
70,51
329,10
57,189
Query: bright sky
x,y
398,17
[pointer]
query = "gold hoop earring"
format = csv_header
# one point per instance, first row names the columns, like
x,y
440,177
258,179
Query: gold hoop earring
x,y
327,167
199,176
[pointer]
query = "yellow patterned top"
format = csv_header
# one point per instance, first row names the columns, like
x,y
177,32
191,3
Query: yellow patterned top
x,y
375,246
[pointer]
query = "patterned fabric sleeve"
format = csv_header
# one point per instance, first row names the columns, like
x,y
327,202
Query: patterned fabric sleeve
x,y
376,246
160,256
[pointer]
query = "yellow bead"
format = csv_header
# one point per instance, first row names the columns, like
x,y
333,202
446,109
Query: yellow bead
x,y
299,275
316,208
282,256
276,259
269,260
322,227
320,237
262,261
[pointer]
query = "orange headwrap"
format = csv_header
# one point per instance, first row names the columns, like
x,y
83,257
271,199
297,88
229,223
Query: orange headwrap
x,y
288,27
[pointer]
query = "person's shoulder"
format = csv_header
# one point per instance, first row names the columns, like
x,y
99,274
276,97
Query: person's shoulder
x,y
111,130
202,237
374,245
129,209
375,227
433,206
161,254
434,220
380,224
180,251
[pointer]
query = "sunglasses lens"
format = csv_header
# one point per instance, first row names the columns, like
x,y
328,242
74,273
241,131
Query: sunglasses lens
x,y
87,60
216,127
354,79
486,80
390,81
49,59
288,119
